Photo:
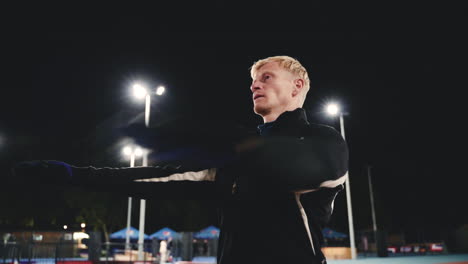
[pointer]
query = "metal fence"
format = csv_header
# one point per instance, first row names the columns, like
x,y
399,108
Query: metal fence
x,y
69,252
16,252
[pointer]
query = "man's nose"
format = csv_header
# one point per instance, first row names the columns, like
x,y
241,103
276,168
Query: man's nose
x,y
255,86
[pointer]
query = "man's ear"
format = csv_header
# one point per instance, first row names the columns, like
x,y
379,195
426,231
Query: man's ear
x,y
298,85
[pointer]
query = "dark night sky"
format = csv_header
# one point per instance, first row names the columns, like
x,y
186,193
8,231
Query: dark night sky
x,y
395,69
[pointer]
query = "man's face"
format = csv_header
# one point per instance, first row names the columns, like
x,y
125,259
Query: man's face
x,y
272,89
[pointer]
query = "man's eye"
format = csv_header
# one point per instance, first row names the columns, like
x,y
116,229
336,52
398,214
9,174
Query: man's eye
x,y
266,77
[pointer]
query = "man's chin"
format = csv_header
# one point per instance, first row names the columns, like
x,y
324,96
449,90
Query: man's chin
x,y
259,110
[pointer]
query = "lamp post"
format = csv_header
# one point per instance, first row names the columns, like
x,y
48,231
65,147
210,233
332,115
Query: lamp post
x,y
371,194
131,152
141,92
141,228
333,110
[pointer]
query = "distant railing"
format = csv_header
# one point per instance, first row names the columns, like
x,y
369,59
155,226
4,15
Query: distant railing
x,y
70,252
42,252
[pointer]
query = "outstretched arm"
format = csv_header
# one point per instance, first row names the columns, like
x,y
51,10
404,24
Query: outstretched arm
x,y
157,181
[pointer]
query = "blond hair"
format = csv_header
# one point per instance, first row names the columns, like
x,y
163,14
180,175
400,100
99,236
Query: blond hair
x,y
290,64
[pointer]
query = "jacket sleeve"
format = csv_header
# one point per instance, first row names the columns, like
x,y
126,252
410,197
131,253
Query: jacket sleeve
x,y
149,182
167,182
294,164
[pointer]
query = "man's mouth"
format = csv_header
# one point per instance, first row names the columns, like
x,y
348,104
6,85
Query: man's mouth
x,y
256,96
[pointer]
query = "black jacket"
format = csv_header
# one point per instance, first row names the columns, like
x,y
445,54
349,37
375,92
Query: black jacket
x,y
275,196
283,194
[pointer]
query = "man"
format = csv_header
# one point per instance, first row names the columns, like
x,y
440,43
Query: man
x,y
163,251
275,196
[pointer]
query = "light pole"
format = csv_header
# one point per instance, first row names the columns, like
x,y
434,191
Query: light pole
x,y
333,110
141,92
131,152
141,228
371,194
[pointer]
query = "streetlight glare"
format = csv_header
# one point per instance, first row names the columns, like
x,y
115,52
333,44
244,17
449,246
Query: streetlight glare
x,y
138,152
83,225
127,150
160,90
65,227
139,91
333,109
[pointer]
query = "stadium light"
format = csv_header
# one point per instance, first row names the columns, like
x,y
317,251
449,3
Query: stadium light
x,y
132,151
160,90
333,109
140,92
138,152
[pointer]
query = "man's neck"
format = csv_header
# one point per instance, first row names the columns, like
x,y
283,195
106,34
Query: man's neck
x,y
272,116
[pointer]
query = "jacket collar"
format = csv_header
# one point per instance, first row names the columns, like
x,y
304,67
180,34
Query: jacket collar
x,y
287,122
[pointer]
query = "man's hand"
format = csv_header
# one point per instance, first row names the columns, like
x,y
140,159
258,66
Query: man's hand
x,y
42,172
